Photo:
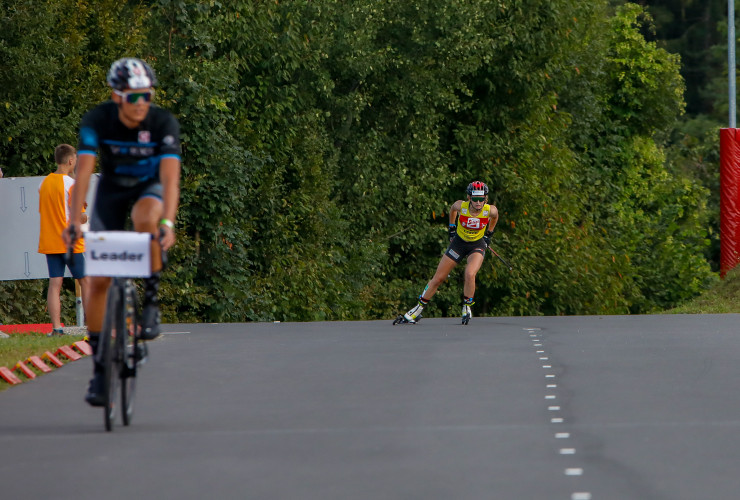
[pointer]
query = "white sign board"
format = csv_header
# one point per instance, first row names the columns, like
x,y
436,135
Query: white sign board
x,y
19,228
118,253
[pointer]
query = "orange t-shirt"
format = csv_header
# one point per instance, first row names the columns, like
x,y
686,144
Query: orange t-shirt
x,y
54,196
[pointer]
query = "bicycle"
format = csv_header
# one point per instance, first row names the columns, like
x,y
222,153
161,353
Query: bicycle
x,y
120,351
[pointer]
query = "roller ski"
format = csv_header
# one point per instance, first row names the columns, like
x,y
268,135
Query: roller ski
x,y
467,313
410,318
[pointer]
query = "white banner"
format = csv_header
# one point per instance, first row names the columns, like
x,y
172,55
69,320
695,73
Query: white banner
x,y
118,253
19,228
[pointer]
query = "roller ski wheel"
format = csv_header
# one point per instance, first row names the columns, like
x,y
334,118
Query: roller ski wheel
x,y
466,314
401,320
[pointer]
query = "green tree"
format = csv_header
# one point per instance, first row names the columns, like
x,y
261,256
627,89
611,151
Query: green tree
x,y
650,213
323,143
54,67
54,55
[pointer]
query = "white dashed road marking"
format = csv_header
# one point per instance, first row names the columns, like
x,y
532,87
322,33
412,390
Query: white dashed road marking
x,y
571,471
581,496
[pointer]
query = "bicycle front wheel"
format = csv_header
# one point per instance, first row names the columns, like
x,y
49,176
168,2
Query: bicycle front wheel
x,y
128,345
107,343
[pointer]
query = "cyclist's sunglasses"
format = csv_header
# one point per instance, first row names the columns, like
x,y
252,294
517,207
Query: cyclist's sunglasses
x,y
477,198
133,96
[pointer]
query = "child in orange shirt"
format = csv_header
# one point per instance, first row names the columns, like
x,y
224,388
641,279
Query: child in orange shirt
x,y
54,195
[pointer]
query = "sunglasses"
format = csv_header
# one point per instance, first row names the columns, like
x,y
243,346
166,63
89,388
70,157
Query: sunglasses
x,y
133,96
478,198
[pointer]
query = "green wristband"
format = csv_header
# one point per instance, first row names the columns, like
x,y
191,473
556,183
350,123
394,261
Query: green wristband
x,y
168,223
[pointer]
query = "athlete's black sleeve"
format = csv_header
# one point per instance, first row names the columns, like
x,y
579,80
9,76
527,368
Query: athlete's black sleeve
x,y
90,131
170,142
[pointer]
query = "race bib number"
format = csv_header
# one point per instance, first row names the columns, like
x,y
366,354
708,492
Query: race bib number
x,y
472,223
118,254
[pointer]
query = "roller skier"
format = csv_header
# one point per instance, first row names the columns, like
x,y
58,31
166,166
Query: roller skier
x,y
472,223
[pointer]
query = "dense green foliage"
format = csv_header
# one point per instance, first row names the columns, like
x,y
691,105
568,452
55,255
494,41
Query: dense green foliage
x,y
697,31
325,141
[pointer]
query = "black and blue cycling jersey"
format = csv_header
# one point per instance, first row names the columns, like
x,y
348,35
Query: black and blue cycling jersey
x,y
129,155
129,159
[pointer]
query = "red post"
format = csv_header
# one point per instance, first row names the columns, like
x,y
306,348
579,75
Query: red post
x,y
729,186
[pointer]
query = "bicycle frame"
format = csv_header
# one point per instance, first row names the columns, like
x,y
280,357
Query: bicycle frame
x,y
122,255
120,348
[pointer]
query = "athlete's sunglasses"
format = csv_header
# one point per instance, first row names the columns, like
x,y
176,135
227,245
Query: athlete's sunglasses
x,y
133,96
478,198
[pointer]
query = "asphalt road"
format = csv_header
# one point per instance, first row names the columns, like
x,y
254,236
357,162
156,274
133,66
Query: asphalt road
x,y
578,408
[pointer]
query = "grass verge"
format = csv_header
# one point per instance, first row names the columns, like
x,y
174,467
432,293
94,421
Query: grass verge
x,y
724,297
19,347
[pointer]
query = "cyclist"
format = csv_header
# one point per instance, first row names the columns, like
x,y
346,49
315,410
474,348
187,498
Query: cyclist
x,y
470,235
139,147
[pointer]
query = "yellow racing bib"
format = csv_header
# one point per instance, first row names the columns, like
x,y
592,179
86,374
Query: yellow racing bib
x,y
471,228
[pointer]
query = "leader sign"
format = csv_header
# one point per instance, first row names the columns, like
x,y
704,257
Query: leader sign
x,y
118,253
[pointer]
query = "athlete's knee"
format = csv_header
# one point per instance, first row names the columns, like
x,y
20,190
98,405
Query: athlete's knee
x,y
146,214
97,285
145,223
436,281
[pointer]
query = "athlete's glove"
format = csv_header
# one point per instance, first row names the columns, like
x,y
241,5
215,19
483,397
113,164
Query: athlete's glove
x,y
487,238
452,231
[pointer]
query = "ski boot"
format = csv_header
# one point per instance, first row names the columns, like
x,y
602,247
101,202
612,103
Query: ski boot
x,y
411,318
466,314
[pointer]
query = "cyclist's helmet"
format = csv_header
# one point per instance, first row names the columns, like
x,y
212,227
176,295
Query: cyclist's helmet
x,y
477,188
131,73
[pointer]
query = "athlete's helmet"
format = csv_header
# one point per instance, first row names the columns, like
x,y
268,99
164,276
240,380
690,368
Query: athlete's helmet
x,y
131,73
477,188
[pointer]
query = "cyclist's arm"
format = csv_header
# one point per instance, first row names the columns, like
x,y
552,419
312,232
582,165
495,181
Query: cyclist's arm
x,y
85,168
169,176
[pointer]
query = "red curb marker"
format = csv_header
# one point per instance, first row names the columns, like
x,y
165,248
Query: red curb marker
x,y
9,376
24,370
83,347
68,352
53,359
36,361
36,327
